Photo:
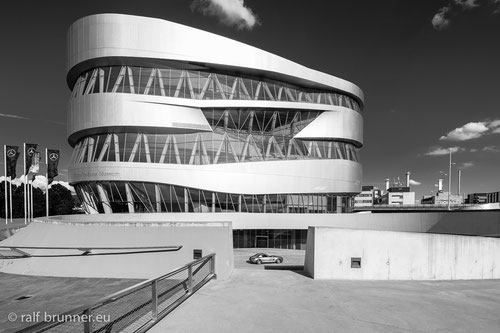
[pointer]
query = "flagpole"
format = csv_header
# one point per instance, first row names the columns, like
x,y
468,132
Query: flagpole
x,y
5,181
47,183
25,181
28,200
10,186
31,193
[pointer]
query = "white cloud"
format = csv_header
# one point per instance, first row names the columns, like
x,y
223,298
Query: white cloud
x,y
5,115
439,21
468,131
473,130
414,182
13,116
466,165
493,149
65,184
466,4
444,151
39,182
232,13
494,123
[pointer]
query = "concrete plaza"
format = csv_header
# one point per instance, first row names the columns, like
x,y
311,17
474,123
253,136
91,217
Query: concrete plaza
x,y
271,298
264,300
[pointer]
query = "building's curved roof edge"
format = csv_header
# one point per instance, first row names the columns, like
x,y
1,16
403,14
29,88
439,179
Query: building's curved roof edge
x,y
224,52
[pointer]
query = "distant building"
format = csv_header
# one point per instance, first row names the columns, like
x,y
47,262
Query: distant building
x,y
369,196
482,198
493,197
399,195
441,198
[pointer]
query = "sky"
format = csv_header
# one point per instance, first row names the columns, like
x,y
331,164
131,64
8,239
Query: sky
x,y
429,69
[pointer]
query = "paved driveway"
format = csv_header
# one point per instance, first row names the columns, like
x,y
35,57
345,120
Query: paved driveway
x,y
257,300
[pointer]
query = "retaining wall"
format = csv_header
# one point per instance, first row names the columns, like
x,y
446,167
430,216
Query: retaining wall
x,y
387,255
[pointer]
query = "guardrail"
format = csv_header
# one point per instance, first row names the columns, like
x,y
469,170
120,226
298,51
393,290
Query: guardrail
x,y
415,207
137,308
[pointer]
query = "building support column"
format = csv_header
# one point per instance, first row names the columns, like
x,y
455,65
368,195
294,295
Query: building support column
x,y
130,198
339,204
186,201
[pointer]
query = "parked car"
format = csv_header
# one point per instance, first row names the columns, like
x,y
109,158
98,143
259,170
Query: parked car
x,y
262,258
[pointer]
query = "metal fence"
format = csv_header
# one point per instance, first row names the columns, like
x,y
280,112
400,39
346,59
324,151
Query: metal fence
x,y
423,207
136,308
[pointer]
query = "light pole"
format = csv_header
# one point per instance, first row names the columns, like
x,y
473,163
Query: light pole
x,y
459,180
449,183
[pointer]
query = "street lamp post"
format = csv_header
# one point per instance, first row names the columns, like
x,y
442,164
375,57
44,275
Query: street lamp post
x,y
459,181
449,183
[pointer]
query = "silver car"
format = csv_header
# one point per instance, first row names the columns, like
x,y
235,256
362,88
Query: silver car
x,y
262,258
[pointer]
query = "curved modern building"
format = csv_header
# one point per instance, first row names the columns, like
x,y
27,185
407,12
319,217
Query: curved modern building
x,y
168,118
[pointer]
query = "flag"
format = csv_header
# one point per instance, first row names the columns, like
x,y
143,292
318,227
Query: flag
x,y
34,165
12,154
52,162
28,155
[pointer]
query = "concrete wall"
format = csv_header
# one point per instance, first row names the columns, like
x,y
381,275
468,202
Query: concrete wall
x,y
478,223
210,237
387,255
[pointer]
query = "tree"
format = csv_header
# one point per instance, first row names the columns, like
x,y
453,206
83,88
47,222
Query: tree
x,y
60,200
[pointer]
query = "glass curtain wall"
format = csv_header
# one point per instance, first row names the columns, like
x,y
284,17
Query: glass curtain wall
x,y
135,197
270,238
205,148
181,83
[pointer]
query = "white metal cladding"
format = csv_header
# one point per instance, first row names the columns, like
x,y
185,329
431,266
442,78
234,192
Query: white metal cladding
x,y
94,113
303,176
125,36
339,124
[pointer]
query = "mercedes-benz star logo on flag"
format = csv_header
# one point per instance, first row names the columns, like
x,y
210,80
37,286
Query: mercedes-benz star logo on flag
x,y
31,151
11,153
53,157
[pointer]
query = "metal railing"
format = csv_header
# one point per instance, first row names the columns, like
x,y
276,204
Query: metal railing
x,y
439,207
134,309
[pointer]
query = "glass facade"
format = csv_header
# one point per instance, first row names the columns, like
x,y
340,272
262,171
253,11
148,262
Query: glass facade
x,y
135,197
204,148
182,83
294,239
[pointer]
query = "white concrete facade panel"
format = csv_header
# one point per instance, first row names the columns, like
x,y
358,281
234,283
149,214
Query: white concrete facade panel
x,y
115,35
340,124
248,178
90,113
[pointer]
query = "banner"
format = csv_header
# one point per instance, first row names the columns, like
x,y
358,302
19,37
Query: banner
x,y
28,155
52,163
12,154
34,165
